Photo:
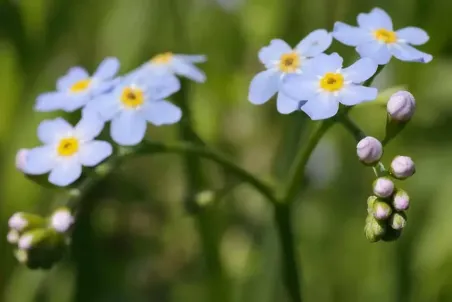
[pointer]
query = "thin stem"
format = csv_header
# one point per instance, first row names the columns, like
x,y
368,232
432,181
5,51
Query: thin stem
x,y
350,125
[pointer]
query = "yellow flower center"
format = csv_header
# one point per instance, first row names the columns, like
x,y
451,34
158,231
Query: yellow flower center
x,y
80,86
332,81
163,58
386,36
68,146
132,97
289,62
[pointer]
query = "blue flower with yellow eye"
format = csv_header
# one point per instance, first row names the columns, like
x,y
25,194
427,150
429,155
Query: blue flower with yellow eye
x,y
77,87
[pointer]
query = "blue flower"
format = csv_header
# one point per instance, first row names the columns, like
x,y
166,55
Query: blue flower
x,y
135,102
66,149
376,39
77,87
325,84
281,60
174,64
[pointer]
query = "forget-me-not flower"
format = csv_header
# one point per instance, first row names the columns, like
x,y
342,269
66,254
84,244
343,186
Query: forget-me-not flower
x,y
77,87
325,84
375,38
66,149
135,102
281,60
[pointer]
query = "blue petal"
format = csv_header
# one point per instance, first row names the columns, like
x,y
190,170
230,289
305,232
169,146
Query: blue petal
x,y
323,63
355,94
378,52
285,104
273,52
65,173
40,160
263,86
408,53
50,101
350,35
162,113
93,153
49,131
89,127
75,101
128,128
105,106
315,43
188,70
192,58
71,77
322,106
107,69
413,35
360,71
300,87
105,87
163,86
376,19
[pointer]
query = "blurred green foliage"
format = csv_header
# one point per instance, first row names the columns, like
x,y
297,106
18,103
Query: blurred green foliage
x,y
135,239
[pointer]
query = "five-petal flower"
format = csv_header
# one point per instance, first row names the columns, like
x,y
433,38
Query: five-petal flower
x,y
375,38
281,60
324,84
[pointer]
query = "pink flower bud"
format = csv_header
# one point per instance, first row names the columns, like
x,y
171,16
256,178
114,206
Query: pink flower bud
x,y
381,210
401,106
369,150
401,200
402,167
383,187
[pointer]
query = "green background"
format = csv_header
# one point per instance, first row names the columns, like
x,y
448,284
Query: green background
x,y
138,238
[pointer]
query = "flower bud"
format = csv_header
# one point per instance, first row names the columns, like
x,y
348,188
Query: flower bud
x,y
383,187
21,159
398,221
25,221
401,200
61,220
13,236
401,106
374,229
381,210
402,167
369,150
205,198
370,204
35,238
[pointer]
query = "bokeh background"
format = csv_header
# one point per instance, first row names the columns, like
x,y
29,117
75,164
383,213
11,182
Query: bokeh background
x,y
139,237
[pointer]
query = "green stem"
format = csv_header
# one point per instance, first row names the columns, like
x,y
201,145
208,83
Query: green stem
x,y
353,128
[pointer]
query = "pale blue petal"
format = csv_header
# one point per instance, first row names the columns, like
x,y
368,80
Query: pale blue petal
x,y
128,128
162,113
75,101
315,43
350,35
50,101
163,86
378,52
73,75
273,52
413,35
263,86
65,173
105,87
361,70
355,94
300,87
324,63
89,127
322,106
376,19
188,70
105,106
192,58
49,131
406,52
40,160
107,69
94,152
285,104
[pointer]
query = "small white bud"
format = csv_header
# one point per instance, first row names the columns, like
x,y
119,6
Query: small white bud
x,y
401,106
369,150
383,187
401,200
21,159
398,221
61,220
13,236
402,167
381,210
25,242
17,222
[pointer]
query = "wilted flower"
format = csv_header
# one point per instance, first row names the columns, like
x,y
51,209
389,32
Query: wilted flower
x,y
402,167
383,187
401,106
369,150
375,38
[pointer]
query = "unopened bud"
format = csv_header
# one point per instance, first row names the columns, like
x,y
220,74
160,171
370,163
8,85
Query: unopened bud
x,y
61,220
21,256
402,167
398,221
370,204
383,187
205,198
13,236
381,210
401,200
374,229
369,150
401,106
24,221
21,159
35,238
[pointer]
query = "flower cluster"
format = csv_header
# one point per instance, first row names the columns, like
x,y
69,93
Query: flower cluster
x,y
307,79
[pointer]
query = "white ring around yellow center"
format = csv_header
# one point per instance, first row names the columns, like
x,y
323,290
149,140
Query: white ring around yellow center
x,y
289,62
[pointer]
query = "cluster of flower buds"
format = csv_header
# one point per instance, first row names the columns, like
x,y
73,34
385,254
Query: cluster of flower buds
x,y
386,207
40,242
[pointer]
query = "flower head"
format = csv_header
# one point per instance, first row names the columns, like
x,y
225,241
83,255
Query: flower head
x,y
66,149
282,61
375,38
135,102
325,84
76,88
